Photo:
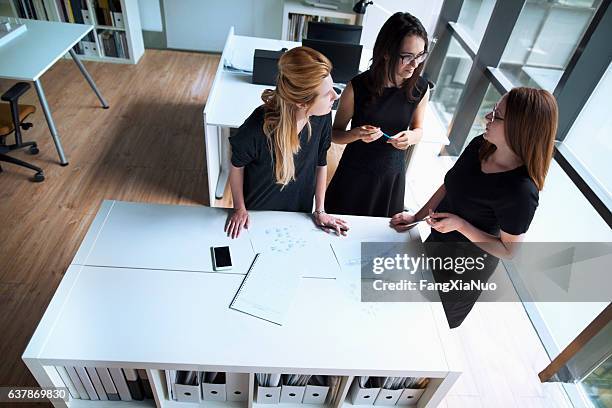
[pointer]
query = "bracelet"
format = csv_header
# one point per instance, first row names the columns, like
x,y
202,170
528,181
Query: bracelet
x,y
319,212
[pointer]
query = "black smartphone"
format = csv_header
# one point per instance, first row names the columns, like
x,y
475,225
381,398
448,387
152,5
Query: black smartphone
x,y
222,259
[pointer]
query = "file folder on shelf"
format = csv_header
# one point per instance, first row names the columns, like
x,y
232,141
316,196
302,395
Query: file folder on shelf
x,y
68,382
120,384
213,387
237,386
97,383
107,383
91,391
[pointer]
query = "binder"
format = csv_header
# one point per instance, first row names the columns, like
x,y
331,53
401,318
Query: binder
x,y
316,390
97,383
146,385
76,8
133,384
363,395
237,386
118,19
388,397
91,391
214,389
170,379
410,396
69,14
107,383
77,382
292,393
86,16
67,381
267,395
120,384
187,386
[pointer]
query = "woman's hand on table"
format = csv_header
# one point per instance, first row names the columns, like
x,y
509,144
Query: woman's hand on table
x,y
330,223
236,222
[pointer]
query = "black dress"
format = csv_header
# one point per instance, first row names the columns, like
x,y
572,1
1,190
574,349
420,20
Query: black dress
x,y
250,150
491,202
371,177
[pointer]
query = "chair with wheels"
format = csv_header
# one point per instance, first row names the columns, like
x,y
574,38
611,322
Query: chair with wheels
x,y
12,120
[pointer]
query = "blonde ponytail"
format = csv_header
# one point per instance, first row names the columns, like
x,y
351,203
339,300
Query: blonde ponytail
x,y
300,72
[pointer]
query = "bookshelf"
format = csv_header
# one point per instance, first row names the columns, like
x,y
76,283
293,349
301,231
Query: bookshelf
x,y
106,313
117,34
297,14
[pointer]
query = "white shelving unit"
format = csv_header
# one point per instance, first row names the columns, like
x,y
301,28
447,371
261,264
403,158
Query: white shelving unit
x,y
132,30
344,14
106,313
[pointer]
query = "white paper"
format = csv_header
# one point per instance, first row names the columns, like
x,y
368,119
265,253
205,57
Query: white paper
x,y
300,238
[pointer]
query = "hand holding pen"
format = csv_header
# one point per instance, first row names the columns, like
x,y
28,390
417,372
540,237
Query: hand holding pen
x,y
403,221
402,140
367,133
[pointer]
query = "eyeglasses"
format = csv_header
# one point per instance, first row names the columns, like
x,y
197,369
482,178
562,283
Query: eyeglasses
x,y
406,59
495,114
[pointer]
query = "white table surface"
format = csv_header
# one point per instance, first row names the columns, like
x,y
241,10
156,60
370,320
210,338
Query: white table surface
x,y
28,56
171,317
179,238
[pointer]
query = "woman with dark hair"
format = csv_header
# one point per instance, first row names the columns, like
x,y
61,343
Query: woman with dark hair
x,y
490,195
386,107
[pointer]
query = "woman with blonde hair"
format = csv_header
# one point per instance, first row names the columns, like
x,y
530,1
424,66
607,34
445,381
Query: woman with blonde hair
x,y
279,154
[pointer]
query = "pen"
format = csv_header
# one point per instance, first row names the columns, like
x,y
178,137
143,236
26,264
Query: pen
x,y
416,222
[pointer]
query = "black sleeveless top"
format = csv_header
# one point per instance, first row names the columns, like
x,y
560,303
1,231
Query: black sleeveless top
x,y
392,112
370,179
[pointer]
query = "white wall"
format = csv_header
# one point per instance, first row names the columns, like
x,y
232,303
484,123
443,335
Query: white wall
x,y
377,14
203,25
150,15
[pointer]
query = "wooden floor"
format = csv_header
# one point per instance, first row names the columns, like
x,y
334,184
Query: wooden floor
x,y
148,147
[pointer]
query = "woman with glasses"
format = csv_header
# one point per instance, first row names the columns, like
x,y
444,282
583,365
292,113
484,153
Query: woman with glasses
x,y
386,108
490,195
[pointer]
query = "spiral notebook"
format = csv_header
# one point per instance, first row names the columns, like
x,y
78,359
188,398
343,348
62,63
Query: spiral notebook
x,y
269,288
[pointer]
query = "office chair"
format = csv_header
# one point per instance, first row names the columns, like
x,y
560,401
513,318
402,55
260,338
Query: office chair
x,y
12,116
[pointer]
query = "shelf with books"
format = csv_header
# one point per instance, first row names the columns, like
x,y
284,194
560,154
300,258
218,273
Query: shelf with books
x,y
110,16
296,16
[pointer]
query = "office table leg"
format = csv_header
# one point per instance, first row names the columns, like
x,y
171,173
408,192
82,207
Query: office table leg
x,y
50,122
91,82
224,160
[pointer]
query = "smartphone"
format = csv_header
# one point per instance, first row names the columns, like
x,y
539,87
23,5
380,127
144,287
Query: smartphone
x,y
222,259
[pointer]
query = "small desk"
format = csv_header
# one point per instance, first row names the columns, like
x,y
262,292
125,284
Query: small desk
x,y
116,312
28,56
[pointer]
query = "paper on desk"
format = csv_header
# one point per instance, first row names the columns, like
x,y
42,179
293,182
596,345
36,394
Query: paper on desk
x,y
295,235
241,61
269,288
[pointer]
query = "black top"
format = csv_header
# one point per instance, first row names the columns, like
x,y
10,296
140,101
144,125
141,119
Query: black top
x,y
250,149
392,113
489,201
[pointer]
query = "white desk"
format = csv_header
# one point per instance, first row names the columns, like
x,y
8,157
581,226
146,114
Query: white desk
x,y
31,54
119,316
